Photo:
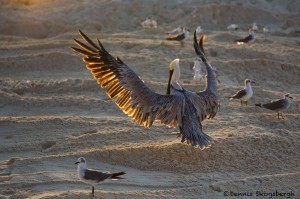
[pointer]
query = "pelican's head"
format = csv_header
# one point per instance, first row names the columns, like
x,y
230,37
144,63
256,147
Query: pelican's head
x,y
81,161
287,96
174,75
174,65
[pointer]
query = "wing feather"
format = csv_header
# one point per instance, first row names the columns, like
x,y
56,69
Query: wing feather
x,y
131,94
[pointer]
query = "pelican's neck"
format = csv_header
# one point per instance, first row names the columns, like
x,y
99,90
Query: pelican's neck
x,y
211,83
175,78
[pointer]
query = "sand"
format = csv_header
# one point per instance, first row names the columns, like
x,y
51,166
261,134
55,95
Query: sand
x,y
53,111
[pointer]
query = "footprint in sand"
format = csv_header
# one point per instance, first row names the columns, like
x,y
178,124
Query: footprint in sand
x,y
6,168
47,145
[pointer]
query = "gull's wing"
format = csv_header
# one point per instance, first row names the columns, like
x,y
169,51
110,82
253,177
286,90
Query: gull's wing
x,y
274,105
132,95
96,175
239,94
245,40
178,37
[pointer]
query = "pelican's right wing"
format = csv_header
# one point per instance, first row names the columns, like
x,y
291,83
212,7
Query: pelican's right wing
x,y
132,95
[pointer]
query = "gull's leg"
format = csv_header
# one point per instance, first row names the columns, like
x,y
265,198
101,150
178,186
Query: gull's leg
x,y
93,191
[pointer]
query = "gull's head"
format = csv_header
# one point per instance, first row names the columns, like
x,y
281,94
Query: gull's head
x,y
174,65
249,81
287,96
81,161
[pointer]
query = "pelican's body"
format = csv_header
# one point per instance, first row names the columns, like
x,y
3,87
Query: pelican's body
x,y
178,108
278,105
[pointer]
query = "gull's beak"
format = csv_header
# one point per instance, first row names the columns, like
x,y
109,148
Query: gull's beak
x,y
169,82
291,97
253,82
77,162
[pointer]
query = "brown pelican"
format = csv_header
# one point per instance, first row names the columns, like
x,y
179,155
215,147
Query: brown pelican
x,y
178,108
93,177
278,105
245,94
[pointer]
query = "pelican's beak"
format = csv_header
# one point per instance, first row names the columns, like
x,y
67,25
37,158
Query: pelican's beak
x,y
77,162
169,82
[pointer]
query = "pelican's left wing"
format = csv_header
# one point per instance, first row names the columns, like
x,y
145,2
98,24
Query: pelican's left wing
x,y
132,95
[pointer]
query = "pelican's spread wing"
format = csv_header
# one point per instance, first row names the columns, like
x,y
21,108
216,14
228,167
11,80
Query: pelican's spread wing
x,y
122,84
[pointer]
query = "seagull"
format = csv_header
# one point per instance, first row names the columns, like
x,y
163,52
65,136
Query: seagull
x,y
197,70
93,177
180,36
245,94
278,105
249,39
175,31
177,108
149,23
199,32
254,27
232,27
266,29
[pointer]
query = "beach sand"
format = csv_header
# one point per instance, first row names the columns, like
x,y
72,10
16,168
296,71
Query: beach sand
x,y
53,111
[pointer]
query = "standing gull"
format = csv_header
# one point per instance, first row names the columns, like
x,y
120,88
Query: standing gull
x,y
93,177
278,105
249,39
182,36
245,94
178,108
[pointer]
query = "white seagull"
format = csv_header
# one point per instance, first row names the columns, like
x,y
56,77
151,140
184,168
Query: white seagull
x,y
93,177
149,23
245,94
197,70
255,27
232,27
278,105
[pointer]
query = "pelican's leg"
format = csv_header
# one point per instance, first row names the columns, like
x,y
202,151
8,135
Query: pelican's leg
x,y
93,191
180,133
